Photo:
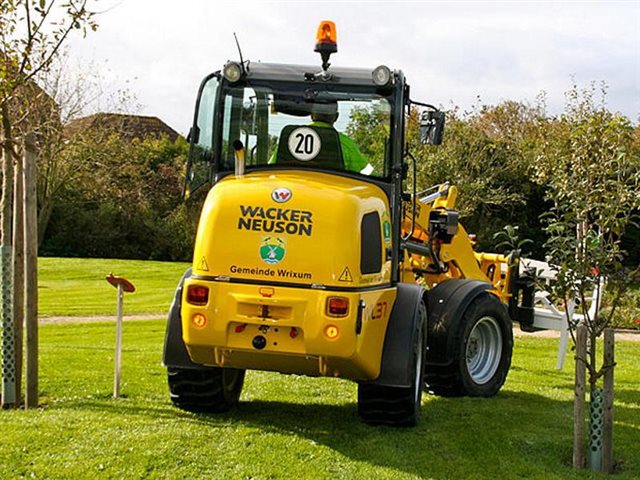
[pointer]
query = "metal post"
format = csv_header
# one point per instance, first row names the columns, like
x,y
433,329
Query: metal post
x,y
123,285
607,440
6,293
118,358
578,401
8,339
31,273
596,413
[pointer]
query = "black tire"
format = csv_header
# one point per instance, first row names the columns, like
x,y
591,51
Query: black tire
x,y
205,389
397,406
482,349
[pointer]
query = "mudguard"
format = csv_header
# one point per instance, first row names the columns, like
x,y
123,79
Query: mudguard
x,y
397,352
175,353
446,304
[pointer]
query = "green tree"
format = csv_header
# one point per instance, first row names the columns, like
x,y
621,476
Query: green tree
x,y
31,35
489,154
592,173
125,201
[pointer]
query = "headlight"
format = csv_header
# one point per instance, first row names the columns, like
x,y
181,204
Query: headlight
x,y
381,75
232,71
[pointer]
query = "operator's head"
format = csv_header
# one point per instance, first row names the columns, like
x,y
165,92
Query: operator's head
x,y
324,112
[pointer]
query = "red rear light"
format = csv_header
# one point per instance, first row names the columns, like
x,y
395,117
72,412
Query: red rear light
x,y
337,306
197,295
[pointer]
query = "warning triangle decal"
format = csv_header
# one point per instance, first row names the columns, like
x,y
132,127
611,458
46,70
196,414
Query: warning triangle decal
x,y
203,265
345,276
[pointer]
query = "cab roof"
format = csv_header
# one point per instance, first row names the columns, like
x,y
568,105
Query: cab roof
x,y
301,73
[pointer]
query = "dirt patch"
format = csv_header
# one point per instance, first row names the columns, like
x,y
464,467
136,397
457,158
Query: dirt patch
x,y
626,335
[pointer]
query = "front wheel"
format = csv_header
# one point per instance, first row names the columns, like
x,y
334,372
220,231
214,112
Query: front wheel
x,y
398,406
205,389
482,349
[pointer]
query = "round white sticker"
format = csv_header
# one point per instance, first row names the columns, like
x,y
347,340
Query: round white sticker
x,y
304,144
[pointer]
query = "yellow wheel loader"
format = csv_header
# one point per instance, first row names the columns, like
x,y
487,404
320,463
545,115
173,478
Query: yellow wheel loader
x,y
311,257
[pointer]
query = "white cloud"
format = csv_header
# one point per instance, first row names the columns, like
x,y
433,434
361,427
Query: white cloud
x,y
450,51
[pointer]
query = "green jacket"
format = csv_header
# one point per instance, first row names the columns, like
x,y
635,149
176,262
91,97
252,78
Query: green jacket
x,y
353,159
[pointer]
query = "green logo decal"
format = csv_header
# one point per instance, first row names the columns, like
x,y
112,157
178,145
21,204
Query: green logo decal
x,y
272,249
386,228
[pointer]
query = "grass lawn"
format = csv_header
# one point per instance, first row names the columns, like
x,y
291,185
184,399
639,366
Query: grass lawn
x,y
77,286
293,427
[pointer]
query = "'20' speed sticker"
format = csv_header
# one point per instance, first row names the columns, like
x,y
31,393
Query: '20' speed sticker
x,y
304,144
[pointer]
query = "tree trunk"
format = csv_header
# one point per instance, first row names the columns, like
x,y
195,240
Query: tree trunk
x,y
44,215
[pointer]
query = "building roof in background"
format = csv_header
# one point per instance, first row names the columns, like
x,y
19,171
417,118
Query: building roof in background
x,y
126,126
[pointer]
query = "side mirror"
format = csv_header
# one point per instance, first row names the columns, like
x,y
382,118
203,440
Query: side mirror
x,y
432,127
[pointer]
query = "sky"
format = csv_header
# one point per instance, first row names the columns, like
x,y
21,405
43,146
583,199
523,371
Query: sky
x,y
452,53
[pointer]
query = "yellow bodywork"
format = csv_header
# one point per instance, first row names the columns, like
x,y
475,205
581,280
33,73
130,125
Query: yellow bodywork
x,y
295,330
318,227
288,242
274,247
458,256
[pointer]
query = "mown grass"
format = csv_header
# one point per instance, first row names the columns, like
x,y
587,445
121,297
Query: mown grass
x,y
293,427
77,286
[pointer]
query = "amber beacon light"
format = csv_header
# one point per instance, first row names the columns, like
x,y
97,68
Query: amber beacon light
x,y
326,41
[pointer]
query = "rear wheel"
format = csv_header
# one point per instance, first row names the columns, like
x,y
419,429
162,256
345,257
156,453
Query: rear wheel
x,y
205,389
397,406
482,348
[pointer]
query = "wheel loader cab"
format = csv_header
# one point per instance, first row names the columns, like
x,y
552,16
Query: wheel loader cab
x,y
273,111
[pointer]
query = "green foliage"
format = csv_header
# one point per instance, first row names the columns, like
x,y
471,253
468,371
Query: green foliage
x,y
511,242
292,427
627,313
369,128
488,154
126,202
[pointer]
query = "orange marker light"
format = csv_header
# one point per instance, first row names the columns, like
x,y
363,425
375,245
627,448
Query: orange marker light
x,y
327,33
199,320
267,292
332,332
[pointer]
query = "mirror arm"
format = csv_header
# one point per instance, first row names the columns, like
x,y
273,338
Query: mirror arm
x,y
428,105
408,153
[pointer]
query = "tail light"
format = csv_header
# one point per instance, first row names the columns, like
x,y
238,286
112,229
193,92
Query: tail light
x,y
337,306
197,295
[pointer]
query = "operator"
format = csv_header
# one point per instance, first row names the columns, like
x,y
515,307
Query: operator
x,y
324,115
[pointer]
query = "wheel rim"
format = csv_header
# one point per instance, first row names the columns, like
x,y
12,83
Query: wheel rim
x,y
484,350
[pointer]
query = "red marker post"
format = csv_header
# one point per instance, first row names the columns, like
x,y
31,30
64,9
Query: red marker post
x,y
123,285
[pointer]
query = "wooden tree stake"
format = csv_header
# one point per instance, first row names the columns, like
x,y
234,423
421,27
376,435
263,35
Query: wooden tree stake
x,y
607,440
18,272
31,272
578,401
